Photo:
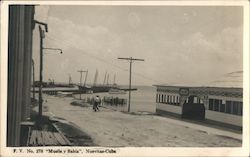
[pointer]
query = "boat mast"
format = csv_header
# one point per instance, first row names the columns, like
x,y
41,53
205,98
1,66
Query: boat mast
x,y
114,79
70,79
108,79
86,78
95,78
105,78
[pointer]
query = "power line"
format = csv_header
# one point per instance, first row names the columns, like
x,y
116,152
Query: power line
x,y
71,45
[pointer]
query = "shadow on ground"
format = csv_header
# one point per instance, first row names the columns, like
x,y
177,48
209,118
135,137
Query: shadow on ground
x,y
74,134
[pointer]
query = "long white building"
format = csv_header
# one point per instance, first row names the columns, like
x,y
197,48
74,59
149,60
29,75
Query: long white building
x,y
214,104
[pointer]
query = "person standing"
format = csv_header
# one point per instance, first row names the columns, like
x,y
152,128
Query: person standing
x,y
96,103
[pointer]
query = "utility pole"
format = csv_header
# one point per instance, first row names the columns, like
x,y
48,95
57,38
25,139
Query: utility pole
x,y
86,77
42,35
41,71
33,80
81,71
130,72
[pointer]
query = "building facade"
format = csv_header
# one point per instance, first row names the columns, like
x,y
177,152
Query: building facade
x,y
21,25
219,105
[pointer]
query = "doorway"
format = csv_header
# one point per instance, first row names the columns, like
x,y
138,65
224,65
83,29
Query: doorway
x,y
193,108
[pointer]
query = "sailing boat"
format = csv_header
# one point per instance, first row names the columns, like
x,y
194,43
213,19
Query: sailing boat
x,y
101,88
115,89
85,88
95,88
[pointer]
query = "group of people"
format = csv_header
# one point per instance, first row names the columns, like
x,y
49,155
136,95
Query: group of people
x,y
97,102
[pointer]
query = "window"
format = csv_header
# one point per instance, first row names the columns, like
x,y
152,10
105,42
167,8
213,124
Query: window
x,y
168,99
223,102
216,105
173,100
222,107
195,100
240,108
228,106
201,101
211,104
191,99
235,107
198,100
162,98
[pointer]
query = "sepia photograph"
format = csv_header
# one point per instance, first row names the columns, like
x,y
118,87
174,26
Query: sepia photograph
x,y
107,77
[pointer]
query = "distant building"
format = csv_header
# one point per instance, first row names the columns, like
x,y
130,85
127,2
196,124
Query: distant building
x,y
215,104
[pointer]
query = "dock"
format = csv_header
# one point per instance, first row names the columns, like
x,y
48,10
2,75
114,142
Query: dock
x,y
56,90
127,89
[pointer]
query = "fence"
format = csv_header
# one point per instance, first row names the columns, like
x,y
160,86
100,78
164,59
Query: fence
x,y
113,101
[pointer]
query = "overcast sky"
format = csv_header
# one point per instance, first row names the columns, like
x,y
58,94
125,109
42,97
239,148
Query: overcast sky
x,y
180,45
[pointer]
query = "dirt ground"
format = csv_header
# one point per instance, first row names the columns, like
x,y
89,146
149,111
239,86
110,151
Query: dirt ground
x,y
112,128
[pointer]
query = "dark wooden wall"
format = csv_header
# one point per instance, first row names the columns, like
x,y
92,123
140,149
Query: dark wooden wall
x,y
21,26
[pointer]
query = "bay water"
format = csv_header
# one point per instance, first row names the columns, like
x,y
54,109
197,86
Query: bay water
x,y
142,100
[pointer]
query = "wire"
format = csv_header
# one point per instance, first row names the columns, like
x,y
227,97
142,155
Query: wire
x,y
71,45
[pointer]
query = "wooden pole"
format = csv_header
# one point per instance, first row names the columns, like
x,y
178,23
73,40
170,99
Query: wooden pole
x,y
130,76
85,77
41,72
129,92
33,80
80,71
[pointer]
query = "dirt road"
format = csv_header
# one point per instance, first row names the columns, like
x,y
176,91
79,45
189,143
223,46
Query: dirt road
x,y
113,128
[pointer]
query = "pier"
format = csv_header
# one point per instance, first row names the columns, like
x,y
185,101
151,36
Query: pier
x,y
54,91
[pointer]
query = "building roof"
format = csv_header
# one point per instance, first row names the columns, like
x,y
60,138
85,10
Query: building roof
x,y
202,90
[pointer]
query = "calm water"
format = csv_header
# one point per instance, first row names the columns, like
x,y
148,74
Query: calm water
x,y
141,100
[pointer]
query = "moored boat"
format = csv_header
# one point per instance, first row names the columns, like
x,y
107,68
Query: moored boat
x,y
116,91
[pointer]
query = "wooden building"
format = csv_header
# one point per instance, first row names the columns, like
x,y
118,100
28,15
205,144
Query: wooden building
x,y
215,104
21,25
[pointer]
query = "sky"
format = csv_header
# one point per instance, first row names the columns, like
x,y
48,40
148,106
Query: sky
x,y
188,45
